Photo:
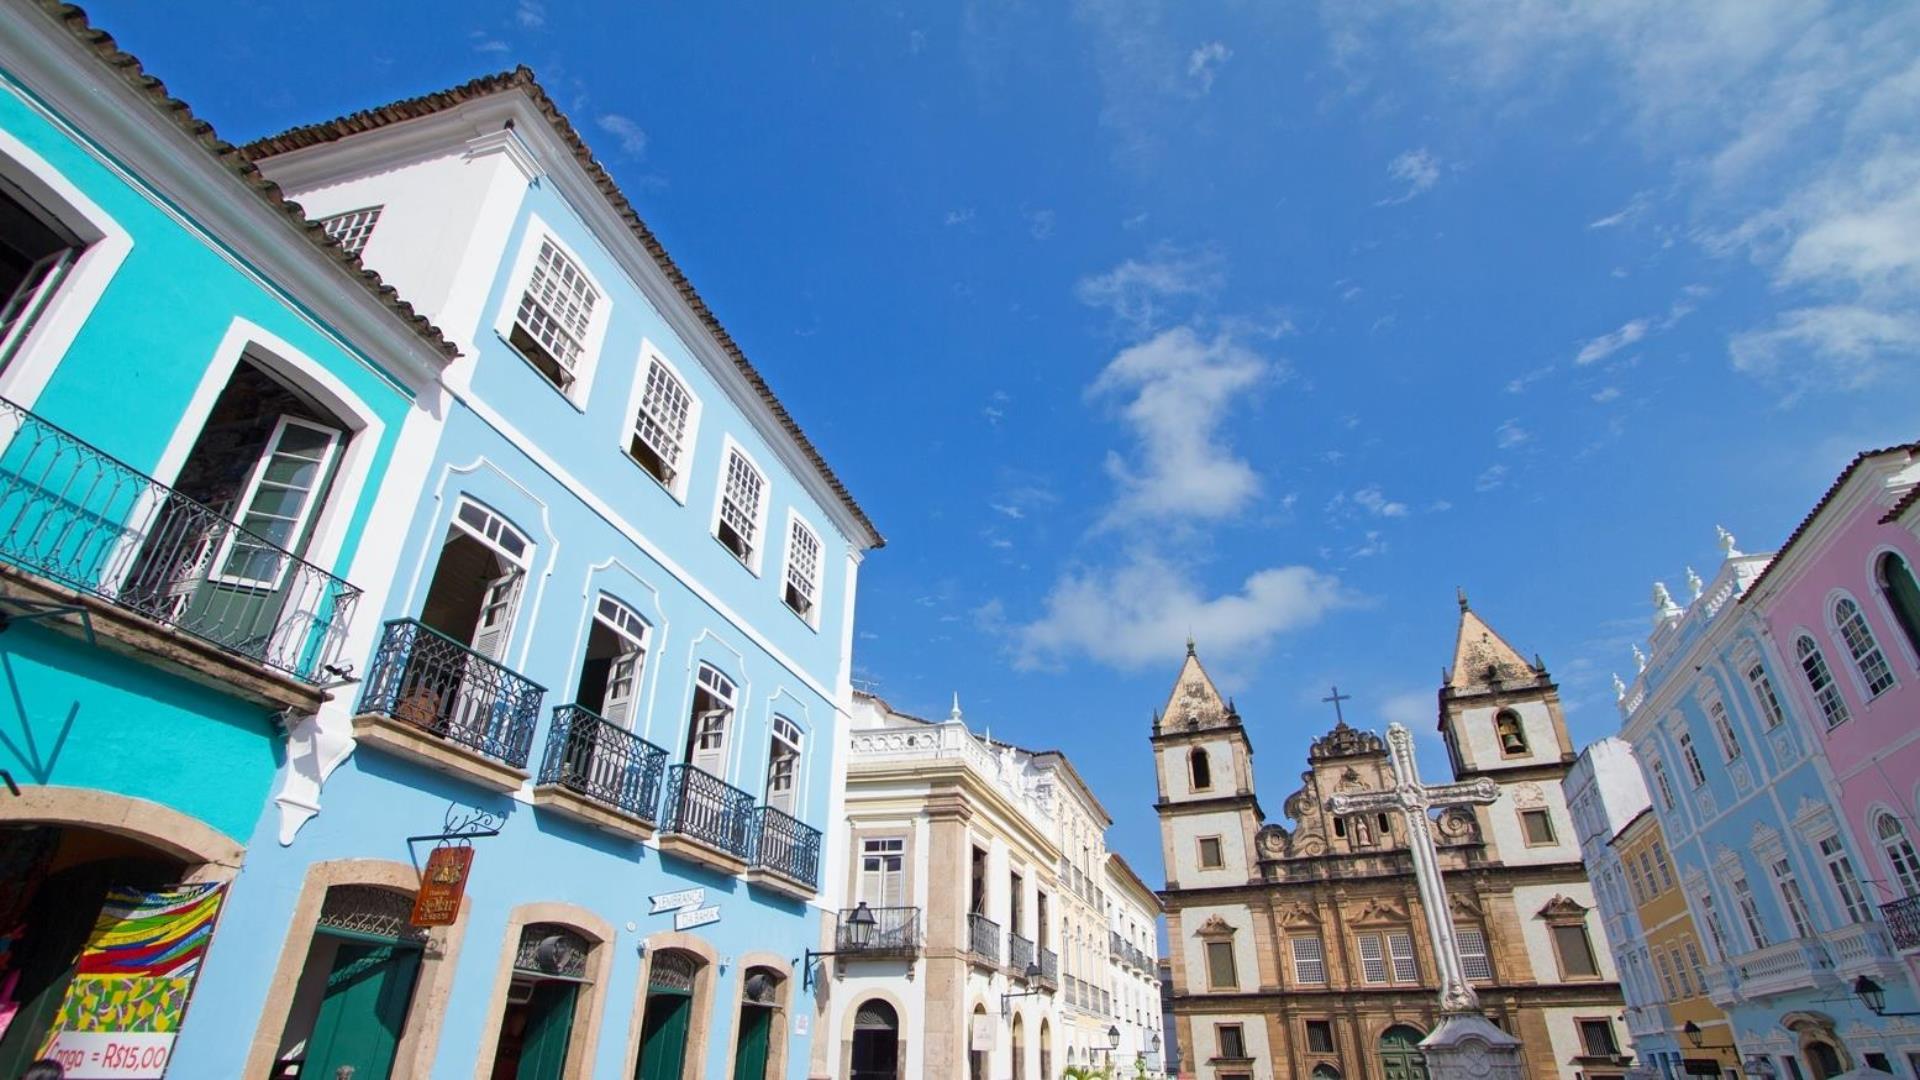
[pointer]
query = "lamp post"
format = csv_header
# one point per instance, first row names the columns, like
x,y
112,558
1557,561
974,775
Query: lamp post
x,y
1033,976
857,936
1874,998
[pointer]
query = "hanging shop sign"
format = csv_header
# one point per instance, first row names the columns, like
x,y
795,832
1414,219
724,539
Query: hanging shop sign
x,y
676,901
441,886
688,918
130,987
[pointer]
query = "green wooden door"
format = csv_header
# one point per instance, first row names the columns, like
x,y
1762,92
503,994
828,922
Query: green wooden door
x,y
543,1053
1400,1056
750,1052
663,1037
364,1010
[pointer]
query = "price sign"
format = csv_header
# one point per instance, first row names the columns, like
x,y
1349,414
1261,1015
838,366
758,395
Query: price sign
x,y
111,1055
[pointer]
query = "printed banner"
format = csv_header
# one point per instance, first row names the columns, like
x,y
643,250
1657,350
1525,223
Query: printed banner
x,y
130,989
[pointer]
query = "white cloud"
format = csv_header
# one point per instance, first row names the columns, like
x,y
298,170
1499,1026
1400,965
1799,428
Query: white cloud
x,y
1607,344
1490,478
1138,614
1606,394
1137,291
1418,169
1178,389
1374,502
632,139
962,216
1040,223
1373,545
1008,510
1627,214
1415,709
1439,506
1519,383
1204,63
485,43
1510,434
1835,347
531,14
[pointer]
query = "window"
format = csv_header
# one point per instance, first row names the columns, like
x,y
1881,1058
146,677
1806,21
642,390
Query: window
x,y
1538,826
1820,680
1900,853
35,254
1210,853
1232,1041
802,592
1649,884
663,425
352,229
1867,657
1902,594
1681,976
783,765
1792,897
1699,968
1694,771
616,653
1666,786
1199,769
883,871
1400,949
1309,961
277,504
1846,883
1319,1036
554,314
1714,929
1575,949
1373,958
1596,1037
1723,728
1473,953
1663,864
1221,974
1763,693
742,500
707,731
1666,976
1749,906
1513,737
1378,950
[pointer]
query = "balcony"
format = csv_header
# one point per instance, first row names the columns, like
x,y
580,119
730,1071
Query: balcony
x,y
895,933
431,699
1019,956
983,940
1903,919
1049,969
1116,946
1862,948
707,820
1799,964
600,774
80,521
786,854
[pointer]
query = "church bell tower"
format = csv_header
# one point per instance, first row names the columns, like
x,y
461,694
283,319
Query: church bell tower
x,y
1204,767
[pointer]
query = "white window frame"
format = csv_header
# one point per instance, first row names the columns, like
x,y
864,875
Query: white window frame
x,y
1833,711
1695,771
309,505
1749,907
651,354
1873,652
1760,681
495,526
1400,954
1722,723
757,554
623,622
1309,960
795,523
536,232
794,740
1844,879
352,229
1793,899
1472,942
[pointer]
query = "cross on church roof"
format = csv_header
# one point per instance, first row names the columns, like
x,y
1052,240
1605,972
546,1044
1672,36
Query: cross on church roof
x,y
1337,697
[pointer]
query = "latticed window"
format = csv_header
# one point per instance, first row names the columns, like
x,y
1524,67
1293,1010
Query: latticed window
x,y
1867,657
803,570
673,970
550,325
552,951
352,229
1794,900
1763,693
1663,864
740,499
1309,961
1473,952
660,427
1400,949
369,910
1723,728
1820,680
1699,967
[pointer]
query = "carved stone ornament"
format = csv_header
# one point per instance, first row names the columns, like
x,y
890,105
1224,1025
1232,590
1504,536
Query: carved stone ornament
x,y
1377,911
1563,907
1467,1046
1298,914
1528,795
1273,839
1215,926
1344,741
1462,904
1457,825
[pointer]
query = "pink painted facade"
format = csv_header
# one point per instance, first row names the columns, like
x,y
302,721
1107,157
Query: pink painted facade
x,y
1842,609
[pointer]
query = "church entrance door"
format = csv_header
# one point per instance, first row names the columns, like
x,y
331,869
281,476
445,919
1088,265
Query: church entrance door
x,y
1400,1057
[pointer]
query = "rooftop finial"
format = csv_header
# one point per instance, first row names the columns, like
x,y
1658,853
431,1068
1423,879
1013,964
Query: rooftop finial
x,y
1460,593
1694,584
1726,542
955,714
1189,641
1639,659
1663,606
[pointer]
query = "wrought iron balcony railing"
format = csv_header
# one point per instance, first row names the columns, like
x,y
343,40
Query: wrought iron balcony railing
x,y
703,807
1116,945
786,846
604,762
1903,918
1019,955
76,515
1049,967
422,677
983,938
895,932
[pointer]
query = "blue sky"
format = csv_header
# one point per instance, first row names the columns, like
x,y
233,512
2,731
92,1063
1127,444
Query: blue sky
x,y
1272,322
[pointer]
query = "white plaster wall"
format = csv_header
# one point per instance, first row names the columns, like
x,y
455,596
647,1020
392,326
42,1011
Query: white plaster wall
x,y
1473,727
1510,840
1187,829
1192,948
865,980
1207,1046
1527,902
1180,782
1563,1031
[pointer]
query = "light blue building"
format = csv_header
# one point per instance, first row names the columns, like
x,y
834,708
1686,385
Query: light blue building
x,y
1747,806
620,628
204,400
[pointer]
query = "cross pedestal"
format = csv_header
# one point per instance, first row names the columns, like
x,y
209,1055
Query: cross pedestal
x,y
1464,1044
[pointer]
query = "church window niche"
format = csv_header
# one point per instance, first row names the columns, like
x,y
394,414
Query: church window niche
x,y
1538,826
1221,973
1512,735
1340,827
1232,1041
1362,832
1320,1037
1200,769
1210,853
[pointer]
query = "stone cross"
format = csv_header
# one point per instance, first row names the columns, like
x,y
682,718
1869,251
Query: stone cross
x,y
1413,799
1337,697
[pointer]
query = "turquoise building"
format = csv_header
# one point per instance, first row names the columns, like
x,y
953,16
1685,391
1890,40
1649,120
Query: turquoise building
x,y
201,402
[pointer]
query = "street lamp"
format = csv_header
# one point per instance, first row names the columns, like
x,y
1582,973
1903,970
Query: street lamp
x,y
1698,1037
1113,1041
1874,998
857,935
1033,976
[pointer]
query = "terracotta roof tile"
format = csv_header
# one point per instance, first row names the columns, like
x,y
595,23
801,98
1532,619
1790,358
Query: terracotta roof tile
x,y
127,67
522,79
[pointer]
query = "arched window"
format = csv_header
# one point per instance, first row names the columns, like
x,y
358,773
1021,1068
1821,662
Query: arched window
x,y
1200,769
713,695
876,1041
1513,737
1900,854
1019,1045
1323,1071
1867,657
1902,593
783,765
1046,1050
1820,680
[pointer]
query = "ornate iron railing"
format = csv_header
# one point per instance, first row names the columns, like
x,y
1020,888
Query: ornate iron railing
x,y
1049,967
1903,918
896,931
422,677
704,807
785,845
1019,955
983,938
604,762
74,514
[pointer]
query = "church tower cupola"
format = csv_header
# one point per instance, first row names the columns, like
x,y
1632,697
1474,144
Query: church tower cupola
x,y
1204,769
1499,712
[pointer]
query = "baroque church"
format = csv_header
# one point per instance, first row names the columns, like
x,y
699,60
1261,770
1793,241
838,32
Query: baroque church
x,y
1299,947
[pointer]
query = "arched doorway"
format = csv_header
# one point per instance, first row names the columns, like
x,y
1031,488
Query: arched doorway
x,y
1019,1046
549,972
668,1018
1323,1071
759,1001
1823,1059
979,1040
356,986
1046,1049
876,1042
1400,1057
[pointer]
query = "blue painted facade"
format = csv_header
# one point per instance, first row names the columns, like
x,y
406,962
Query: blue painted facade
x,y
1746,807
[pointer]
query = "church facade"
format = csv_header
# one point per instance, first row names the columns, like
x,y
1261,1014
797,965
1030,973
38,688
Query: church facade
x,y
1299,947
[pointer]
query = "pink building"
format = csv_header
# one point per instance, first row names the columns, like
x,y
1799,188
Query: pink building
x,y
1841,605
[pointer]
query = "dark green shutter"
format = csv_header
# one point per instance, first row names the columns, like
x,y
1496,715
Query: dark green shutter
x,y
663,1038
363,1012
543,1055
750,1052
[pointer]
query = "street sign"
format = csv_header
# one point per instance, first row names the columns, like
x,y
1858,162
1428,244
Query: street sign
x,y
688,918
441,886
677,901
